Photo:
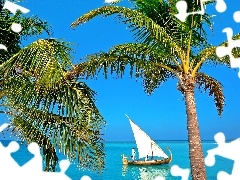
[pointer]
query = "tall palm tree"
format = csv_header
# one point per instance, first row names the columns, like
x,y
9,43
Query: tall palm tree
x,y
165,48
58,114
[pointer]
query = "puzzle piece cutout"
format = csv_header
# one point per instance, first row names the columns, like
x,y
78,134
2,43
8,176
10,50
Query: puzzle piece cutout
x,y
182,8
111,1
177,171
10,169
227,150
5,156
13,8
222,51
159,178
236,16
85,178
32,169
35,164
3,126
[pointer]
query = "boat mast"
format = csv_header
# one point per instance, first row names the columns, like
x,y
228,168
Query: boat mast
x,y
152,150
142,141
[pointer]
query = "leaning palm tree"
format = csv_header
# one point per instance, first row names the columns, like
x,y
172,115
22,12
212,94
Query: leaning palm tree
x,y
165,48
44,107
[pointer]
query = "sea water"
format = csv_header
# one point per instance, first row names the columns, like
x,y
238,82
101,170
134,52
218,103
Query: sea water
x,y
116,171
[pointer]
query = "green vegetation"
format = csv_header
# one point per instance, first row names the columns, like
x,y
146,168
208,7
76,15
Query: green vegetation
x,y
165,48
44,106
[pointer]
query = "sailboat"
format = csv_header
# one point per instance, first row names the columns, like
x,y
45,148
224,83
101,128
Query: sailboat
x,y
146,147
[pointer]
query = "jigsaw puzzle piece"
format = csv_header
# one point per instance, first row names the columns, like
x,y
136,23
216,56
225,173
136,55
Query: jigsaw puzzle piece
x,y
233,176
43,175
182,8
236,16
220,51
32,169
235,172
64,164
35,164
228,150
16,27
157,178
13,8
88,178
225,176
53,175
5,156
177,171
210,158
4,125
221,6
3,47
223,51
236,166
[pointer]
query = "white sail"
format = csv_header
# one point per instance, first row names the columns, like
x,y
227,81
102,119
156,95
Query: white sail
x,y
146,146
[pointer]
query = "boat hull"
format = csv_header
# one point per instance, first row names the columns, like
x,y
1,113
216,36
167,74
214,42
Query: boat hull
x,y
149,162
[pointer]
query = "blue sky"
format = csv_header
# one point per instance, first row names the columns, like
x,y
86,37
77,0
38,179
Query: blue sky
x,y
161,115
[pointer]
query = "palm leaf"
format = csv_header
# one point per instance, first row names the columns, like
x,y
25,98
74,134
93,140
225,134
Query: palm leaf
x,y
30,26
144,61
163,13
28,133
66,114
214,87
45,59
209,55
139,20
118,58
45,108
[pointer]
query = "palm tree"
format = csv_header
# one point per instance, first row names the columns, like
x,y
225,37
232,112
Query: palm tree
x,y
44,107
165,48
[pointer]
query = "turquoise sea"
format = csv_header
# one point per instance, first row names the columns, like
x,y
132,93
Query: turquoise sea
x,y
116,171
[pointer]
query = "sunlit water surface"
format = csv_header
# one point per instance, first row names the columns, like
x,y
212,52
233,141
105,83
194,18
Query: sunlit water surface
x,y
116,171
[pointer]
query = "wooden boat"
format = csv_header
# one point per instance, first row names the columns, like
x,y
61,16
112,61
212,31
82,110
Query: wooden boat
x,y
146,147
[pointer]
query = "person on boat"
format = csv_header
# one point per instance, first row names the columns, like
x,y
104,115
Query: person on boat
x,y
146,158
133,154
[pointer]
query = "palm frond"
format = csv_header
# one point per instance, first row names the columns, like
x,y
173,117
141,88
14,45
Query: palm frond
x,y
30,26
45,59
56,113
139,20
209,55
52,132
153,65
137,56
72,99
28,133
214,87
161,67
66,114
163,13
147,52
155,76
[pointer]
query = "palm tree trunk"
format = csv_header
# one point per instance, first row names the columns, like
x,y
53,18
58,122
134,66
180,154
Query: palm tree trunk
x,y
194,140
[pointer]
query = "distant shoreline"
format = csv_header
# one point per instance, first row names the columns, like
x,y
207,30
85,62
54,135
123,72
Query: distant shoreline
x,y
163,141
157,141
